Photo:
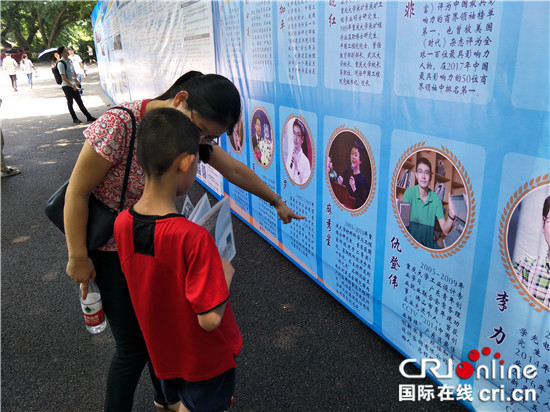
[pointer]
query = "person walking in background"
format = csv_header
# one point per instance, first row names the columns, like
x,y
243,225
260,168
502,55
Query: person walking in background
x,y
70,85
27,67
79,68
10,67
91,54
178,283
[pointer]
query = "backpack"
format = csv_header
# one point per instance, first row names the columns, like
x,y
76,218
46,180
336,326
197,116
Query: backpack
x,y
56,73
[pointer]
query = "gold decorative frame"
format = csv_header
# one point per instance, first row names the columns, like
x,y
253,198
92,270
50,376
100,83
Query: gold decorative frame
x,y
310,138
374,180
466,234
515,199
259,108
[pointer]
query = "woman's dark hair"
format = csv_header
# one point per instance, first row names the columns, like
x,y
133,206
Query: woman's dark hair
x,y
163,135
546,207
357,144
213,96
298,123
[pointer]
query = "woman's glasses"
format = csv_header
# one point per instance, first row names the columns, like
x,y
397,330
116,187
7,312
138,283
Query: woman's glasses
x,y
208,139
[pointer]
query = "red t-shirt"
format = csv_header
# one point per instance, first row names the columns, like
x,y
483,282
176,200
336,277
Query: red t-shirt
x,y
174,272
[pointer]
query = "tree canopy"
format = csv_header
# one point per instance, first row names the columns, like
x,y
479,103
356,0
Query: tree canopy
x,y
37,25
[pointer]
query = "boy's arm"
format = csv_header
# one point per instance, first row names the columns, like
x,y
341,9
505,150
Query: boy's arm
x,y
213,318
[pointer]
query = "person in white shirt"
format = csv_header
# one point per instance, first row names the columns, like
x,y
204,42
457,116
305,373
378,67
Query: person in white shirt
x,y
27,67
297,162
10,66
79,68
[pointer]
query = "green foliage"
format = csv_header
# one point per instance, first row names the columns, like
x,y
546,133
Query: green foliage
x,y
37,25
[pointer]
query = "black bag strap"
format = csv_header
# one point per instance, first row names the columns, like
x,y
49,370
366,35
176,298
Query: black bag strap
x,y
130,155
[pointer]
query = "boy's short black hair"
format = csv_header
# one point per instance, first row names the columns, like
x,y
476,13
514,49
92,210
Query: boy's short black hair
x,y
163,135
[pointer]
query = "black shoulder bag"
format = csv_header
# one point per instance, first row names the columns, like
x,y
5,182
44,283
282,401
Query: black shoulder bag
x,y
101,219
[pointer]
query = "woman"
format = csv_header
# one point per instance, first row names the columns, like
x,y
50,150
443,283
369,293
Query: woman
x,y
297,163
357,184
27,67
213,103
9,66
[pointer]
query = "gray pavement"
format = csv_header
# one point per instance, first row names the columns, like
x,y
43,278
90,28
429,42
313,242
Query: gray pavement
x,y
302,350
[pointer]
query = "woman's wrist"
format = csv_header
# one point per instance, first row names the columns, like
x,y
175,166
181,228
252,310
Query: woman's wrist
x,y
274,201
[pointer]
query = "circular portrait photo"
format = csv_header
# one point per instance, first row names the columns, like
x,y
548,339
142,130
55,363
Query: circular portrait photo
x,y
236,139
261,137
297,150
349,170
528,244
432,199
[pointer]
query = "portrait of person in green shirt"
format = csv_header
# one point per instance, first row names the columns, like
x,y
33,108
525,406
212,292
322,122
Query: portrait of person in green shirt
x,y
426,207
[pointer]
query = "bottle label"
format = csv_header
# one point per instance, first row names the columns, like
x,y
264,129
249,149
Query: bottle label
x,y
93,313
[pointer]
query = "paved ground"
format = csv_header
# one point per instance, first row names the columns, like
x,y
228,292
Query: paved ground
x,y
303,351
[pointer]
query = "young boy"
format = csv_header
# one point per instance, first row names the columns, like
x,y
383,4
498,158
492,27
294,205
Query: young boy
x,y
178,283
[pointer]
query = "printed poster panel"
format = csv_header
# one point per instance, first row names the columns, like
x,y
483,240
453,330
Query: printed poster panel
x,y
430,242
298,154
298,42
413,136
263,159
143,47
355,44
236,146
231,47
448,50
532,65
350,199
518,289
259,41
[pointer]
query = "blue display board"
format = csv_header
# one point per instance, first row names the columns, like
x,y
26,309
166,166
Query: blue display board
x,y
414,135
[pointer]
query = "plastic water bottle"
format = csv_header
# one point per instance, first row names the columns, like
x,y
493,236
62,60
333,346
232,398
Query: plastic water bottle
x,y
92,309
